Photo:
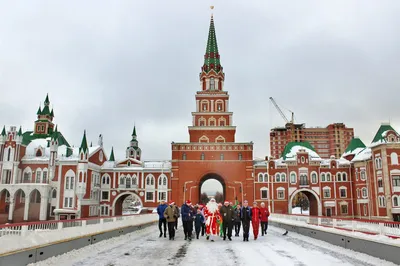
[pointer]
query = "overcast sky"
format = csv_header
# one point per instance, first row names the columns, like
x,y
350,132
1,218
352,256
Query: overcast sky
x,y
109,64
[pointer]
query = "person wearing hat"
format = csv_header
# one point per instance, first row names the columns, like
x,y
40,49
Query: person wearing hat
x,y
264,218
187,219
227,215
170,215
212,215
255,219
161,219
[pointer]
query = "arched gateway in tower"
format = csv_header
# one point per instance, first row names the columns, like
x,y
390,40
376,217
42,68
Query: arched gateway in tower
x,y
212,152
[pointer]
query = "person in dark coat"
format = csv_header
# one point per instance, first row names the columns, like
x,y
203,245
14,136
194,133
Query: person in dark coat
x,y
178,214
246,219
187,219
237,220
161,219
227,215
198,222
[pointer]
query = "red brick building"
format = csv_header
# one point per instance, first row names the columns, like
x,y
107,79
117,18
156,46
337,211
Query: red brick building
x,y
212,152
327,141
43,177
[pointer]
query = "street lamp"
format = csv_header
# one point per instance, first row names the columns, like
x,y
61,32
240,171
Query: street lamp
x,y
241,188
190,192
184,190
234,191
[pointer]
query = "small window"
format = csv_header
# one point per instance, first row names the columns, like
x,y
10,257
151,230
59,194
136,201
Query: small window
x,y
343,193
277,178
104,195
364,192
184,156
221,156
240,156
149,196
281,194
54,194
344,209
327,193
323,178
202,156
212,84
363,176
344,176
264,193
314,178
396,180
260,177
293,178
303,159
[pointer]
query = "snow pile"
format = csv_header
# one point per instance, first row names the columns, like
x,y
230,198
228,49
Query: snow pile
x,y
376,238
32,238
365,154
297,210
292,154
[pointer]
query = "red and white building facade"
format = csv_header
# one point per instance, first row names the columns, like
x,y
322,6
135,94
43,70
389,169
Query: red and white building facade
x,y
43,177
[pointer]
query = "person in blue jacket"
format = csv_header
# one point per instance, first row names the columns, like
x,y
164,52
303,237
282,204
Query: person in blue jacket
x,y
187,219
246,219
161,219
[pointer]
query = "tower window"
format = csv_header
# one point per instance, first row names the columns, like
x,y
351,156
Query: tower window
x,y
202,156
240,156
184,156
221,156
212,84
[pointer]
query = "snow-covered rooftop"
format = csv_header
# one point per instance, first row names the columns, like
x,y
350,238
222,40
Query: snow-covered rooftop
x,y
365,154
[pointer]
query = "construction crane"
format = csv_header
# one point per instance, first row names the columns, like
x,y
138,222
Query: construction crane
x,y
289,124
281,113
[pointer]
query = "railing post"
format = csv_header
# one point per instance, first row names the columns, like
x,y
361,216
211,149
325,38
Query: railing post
x,y
353,225
24,230
319,221
381,228
101,220
84,223
60,225
114,219
334,223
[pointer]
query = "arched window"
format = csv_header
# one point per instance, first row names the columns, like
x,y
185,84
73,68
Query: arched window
x,y
277,178
265,177
150,180
8,154
323,179
395,201
394,158
128,182
260,177
328,177
304,180
44,176
344,176
105,180
364,192
339,177
293,178
38,175
283,177
358,193
54,194
314,178
134,180
212,84
122,180
67,182
164,181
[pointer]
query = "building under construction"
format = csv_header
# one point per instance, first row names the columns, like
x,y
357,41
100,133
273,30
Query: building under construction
x,y
327,141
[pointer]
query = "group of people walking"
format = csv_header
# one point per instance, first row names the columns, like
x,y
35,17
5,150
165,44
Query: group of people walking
x,y
213,219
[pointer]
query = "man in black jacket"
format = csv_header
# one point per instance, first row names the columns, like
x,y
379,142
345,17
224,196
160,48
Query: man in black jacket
x,y
227,215
246,219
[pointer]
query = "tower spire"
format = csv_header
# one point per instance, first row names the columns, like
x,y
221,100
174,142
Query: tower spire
x,y
112,159
212,57
134,132
84,146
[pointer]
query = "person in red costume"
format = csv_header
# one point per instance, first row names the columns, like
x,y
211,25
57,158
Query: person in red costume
x,y
264,218
211,213
255,220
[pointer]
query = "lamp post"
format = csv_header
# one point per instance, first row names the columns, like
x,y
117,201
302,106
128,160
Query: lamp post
x,y
184,190
190,193
234,191
241,188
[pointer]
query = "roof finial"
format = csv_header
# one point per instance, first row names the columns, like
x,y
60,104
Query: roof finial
x,y
212,7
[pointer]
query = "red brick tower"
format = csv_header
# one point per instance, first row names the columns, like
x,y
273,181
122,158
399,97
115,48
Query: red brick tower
x,y
212,152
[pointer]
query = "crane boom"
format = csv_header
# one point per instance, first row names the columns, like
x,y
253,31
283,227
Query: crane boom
x,y
279,110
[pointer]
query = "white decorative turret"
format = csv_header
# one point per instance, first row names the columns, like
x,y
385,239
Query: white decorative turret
x,y
53,154
3,136
18,137
100,142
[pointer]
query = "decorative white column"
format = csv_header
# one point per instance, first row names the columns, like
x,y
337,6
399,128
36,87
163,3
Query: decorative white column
x,y
212,105
197,105
207,84
11,209
80,192
26,209
43,207
226,105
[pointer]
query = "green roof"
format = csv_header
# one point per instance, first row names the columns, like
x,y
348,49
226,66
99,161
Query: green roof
x,y
288,148
46,110
355,143
20,131
112,155
381,134
46,101
28,136
52,113
84,145
134,131
3,132
212,57
39,111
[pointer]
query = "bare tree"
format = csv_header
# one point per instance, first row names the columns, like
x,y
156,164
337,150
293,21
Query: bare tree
x,y
204,198
219,197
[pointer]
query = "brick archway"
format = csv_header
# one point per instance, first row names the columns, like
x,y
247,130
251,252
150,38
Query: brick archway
x,y
117,204
313,198
214,176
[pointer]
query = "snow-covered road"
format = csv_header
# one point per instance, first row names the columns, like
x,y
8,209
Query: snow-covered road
x,y
145,248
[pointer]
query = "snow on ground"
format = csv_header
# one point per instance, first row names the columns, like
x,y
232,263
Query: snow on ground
x,y
144,247
297,210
